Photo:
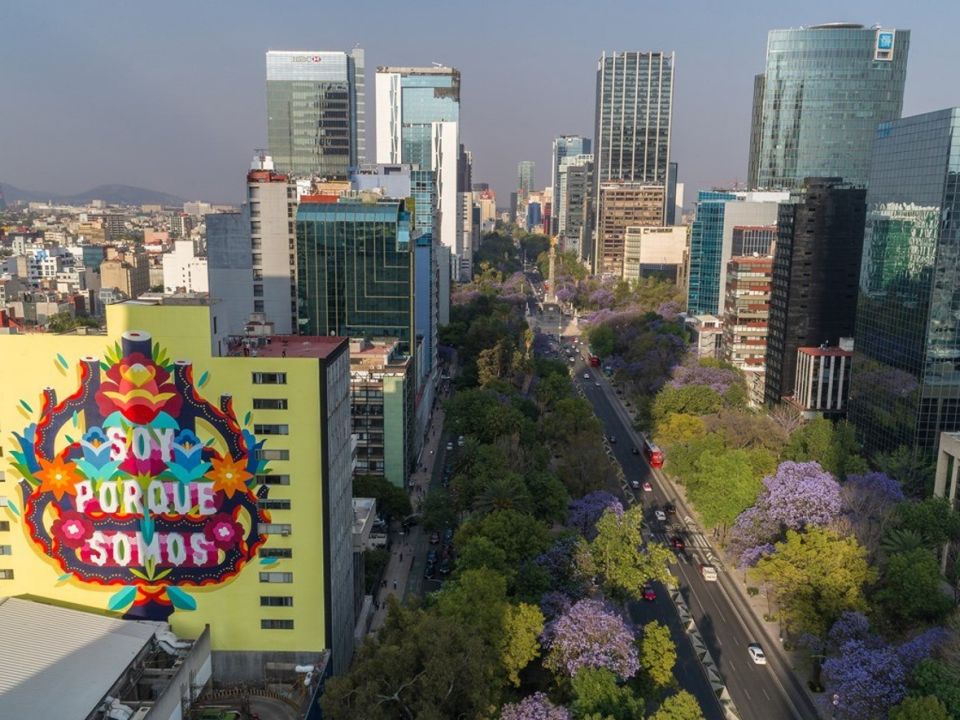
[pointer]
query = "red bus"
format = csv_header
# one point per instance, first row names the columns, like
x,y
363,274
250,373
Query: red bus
x,y
653,453
594,361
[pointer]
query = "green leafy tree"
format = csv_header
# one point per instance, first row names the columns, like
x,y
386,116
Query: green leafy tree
x,y
679,428
913,470
584,465
507,492
520,536
683,457
910,591
407,673
833,446
927,707
438,512
481,552
726,483
481,413
550,496
658,655
932,518
689,399
520,646
598,694
747,429
493,363
392,501
570,416
817,575
477,599
624,564
682,706
602,341
937,678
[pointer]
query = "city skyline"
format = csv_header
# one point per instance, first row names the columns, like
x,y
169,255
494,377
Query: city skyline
x,y
160,108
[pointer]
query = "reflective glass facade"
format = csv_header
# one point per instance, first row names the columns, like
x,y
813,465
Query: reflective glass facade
x,y
315,112
355,269
634,105
825,90
563,147
706,247
905,388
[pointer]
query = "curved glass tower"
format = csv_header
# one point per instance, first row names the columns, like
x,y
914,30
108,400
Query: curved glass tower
x,y
824,91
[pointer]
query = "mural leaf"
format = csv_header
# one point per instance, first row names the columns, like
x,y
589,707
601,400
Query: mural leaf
x,y
181,599
268,561
203,379
122,598
13,508
246,418
62,361
26,406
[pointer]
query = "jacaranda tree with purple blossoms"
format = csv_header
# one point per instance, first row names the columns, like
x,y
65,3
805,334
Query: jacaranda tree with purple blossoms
x,y
534,707
591,634
797,496
585,511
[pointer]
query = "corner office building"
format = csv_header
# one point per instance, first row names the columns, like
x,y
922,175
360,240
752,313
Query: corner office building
x,y
824,90
161,473
315,111
905,388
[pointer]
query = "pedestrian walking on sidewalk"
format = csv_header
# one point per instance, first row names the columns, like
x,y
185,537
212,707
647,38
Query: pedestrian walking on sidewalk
x,y
394,584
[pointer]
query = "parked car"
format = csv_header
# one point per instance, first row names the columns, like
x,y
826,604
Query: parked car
x,y
635,484
709,573
432,556
649,594
449,446
444,567
660,515
756,654
460,441
434,538
429,571
448,536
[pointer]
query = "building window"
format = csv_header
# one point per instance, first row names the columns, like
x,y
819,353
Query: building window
x,y
6,550
261,378
273,504
276,624
4,526
276,601
258,290
276,552
258,306
275,577
269,403
270,429
275,528
268,480
6,574
273,455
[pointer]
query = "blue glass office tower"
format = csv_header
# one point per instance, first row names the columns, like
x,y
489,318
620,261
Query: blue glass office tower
x,y
824,91
355,265
563,147
706,241
905,387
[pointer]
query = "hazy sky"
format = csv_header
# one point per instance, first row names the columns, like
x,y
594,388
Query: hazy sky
x,y
170,95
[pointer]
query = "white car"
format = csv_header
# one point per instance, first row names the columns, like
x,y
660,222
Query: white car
x,y
586,376
756,654
660,515
647,487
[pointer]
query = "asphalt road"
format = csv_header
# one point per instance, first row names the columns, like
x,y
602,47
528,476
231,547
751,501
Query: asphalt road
x,y
760,692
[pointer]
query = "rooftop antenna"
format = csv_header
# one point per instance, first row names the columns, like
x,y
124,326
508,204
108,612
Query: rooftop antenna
x,y
436,64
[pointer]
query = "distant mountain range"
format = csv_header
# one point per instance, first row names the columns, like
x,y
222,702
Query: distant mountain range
x,y
112,194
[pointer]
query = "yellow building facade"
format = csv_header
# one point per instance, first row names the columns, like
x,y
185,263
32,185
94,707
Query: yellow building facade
x,y
145,475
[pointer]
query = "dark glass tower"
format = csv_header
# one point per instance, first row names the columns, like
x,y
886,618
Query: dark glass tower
x,y
905,388
315,112
815,271
824,90
355,262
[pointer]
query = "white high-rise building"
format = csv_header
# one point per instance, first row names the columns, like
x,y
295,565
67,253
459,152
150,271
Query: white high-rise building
x,y
183,269
418,123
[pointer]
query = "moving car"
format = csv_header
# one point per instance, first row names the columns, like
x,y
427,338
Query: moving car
x,y
647,487
586,376
612,439
635,450
677,542
670,509
649,594
660,515
756,654
709,573
634,483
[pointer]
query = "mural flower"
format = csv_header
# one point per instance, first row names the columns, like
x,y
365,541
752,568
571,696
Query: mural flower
x,y
229,476
140,389
72,528
188,463
96,463
223,531
58,477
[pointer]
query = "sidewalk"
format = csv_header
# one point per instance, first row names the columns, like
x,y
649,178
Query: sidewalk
x,y
406,547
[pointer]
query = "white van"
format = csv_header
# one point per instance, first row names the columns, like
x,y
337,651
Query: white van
x,y
709,573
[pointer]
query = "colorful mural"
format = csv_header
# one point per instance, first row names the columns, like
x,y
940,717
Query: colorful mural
x,y
136,481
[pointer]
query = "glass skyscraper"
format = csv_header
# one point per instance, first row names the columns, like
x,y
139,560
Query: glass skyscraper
x,y
315,112
824,90
905,387
355,262
633,111
418,123
563,147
